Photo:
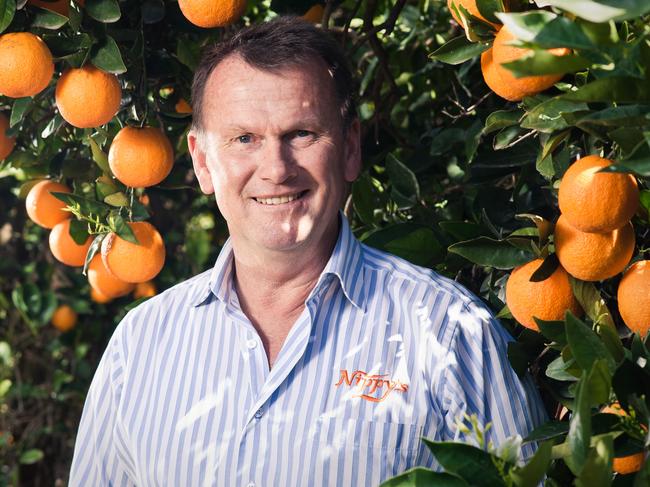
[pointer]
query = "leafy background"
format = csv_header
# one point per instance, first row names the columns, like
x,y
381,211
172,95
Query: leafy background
x,y
455,178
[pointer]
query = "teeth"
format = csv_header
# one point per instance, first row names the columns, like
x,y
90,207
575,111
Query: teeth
x,y
277,201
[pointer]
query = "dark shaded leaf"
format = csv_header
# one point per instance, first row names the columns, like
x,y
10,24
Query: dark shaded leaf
x,y
640,167
463,230
599,383
458,50
560,370
106,55
94,249
548,431
118,224
86,206
533,472
546,30
20,107
553,330
614,89
501,119
597,470
7,12
579,436
488,8
405,188
106,11
78,231
153,11
591,301
585,344
48,19
486,251
540,62
363,198
547,116
413,242
423,477
544,271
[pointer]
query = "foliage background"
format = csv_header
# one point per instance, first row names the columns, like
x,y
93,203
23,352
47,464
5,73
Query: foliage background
x,y
447,167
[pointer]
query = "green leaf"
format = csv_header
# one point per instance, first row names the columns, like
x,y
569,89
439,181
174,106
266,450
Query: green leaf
x,y
99,156
47,19
413,242
488,8
585,344
626,115
546,30
591,301
118,199
640,167
501,119
75,16
612,341
597,470
423,477
106,11
153,11
474,466
119,225
31,456
539,62
7,12
579,436
612,89
546,269
106,55
86,205
95,248
364,198
547,116
188,53
486,251
405,188
533,472
544,227
548,431
603,10
458,50
5,385
560,370
20,107
630,379
78,231
553,330
459,230
599,383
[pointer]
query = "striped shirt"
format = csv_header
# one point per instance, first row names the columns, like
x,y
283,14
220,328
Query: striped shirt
x,y
384,353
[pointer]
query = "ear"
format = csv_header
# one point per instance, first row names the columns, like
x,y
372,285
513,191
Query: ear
x,y
352,151
196,143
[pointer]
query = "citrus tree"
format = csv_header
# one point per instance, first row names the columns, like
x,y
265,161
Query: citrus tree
x,y
506,144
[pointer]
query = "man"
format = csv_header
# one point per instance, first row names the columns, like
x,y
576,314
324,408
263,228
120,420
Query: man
x,y
302,357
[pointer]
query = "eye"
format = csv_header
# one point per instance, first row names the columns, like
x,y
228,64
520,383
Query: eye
x,y
303,133
245,139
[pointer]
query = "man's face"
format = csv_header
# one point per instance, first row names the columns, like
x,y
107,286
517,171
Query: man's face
x,y
275,153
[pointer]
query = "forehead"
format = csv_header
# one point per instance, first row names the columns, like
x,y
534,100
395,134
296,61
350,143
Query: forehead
x,y
236,92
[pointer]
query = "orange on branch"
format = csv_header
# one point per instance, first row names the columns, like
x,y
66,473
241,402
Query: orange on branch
x,y
314,14
547,300
593,256
88,97
64,248
141,157
26,66
135,262
212,13
7,144
145,290
595,201
105,283
59,6
43,208
99,297
629,463
502,81
182,106
64,318
634,297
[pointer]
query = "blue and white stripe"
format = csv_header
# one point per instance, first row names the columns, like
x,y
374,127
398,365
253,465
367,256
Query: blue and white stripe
x,y
183,395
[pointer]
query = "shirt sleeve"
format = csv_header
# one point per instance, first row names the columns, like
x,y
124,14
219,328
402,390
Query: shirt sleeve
x,y
481,381
100,454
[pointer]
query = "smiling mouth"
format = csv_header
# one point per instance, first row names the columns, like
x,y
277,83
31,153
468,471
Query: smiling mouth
x,y
280,200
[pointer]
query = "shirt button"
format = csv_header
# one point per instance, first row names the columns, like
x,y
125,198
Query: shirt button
x,y
251,484
258,413
251,343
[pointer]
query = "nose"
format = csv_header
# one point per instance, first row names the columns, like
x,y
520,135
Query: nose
x,y
277,164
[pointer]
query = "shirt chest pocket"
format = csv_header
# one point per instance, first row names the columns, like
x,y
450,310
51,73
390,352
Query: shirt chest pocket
x,y
380,449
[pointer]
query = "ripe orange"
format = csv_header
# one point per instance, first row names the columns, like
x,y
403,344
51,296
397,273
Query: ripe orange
x,y
135,263
145,290
630,463
98,297
634,297
88,97
64,318
141,157
314,14
502,81
105,283
26,66
212,13
595,201
7,144
593,256
59,6
547,300
470,6
182,106
43,208
64,248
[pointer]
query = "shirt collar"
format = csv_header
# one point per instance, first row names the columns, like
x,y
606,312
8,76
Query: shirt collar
x,y
345,264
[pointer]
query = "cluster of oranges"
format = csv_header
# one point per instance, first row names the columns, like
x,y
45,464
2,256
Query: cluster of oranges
x,y
499,79
594,240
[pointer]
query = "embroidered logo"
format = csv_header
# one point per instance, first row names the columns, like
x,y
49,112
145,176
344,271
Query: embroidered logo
x,y
369,385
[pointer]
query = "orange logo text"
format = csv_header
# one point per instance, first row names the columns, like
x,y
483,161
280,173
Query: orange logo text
x,y
369,385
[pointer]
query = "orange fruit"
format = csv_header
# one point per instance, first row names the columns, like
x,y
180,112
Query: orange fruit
x,y
634,297
595,201
59,6
43,208
212,13
98,296
629,463
88,97
314,14
7,144
502,81
103,282
145,290
64,318
470,6
64,248
593,256
26,66
135,262
182,106
547,300
141,157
